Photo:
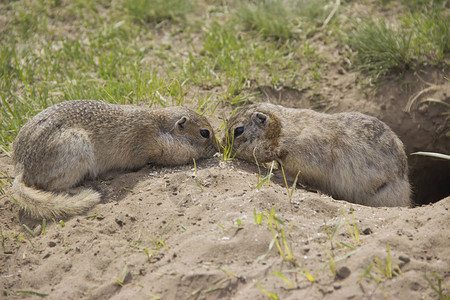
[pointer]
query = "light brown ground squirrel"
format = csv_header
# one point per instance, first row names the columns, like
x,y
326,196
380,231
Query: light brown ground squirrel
x,y
350,156
65,143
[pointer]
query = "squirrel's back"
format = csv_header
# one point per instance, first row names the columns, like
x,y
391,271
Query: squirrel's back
x,y
350,155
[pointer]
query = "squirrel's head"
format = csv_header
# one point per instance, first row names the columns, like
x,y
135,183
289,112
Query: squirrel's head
x,y
197,130
190,134
253,133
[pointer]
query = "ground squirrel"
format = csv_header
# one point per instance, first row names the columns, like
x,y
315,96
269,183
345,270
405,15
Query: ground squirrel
x,y
73,140
350,156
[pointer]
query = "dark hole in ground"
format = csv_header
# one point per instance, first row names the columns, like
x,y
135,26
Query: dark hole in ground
x,y
430,179
424,127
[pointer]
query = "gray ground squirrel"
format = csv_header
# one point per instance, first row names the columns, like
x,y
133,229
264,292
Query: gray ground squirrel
x,y
350,156
65,143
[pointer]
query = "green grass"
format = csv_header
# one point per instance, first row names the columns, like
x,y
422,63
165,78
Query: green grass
x,y
268,294
34,293
331,235
281,19
158,10
231,60
354,232
416,5
430,35
437,287
258,217
386,270
103,63
270,18
417,40
5,181
260,180
380,271
278,235
197,179
176,52
332,263
226,149
53,51
282,277
12,240
290,191
340,246
284,247
125,274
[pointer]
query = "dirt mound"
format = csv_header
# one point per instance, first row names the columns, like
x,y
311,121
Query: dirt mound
x,y
174,234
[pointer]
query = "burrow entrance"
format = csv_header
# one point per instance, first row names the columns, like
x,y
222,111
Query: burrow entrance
x,y
430,179
418,113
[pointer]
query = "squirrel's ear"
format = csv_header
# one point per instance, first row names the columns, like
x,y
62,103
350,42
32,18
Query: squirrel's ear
x,y
260,119
181,123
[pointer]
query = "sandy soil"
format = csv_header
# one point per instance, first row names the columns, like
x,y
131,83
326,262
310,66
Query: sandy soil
x,y
172,234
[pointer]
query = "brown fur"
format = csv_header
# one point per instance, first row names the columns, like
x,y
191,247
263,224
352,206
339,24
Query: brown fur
x,y
350,156
70,141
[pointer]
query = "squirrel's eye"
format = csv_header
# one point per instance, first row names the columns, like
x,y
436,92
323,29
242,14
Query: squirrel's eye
x,y
238,131
204,133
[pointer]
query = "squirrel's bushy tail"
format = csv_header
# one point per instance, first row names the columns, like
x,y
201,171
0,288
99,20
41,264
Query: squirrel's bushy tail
x,y
45,204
